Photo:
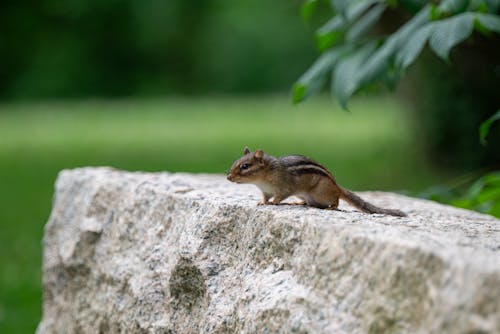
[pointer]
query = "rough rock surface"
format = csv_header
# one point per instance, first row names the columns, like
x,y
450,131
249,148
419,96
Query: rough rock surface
x,y
179,253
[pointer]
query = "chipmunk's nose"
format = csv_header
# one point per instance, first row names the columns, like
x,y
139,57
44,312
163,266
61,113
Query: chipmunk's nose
x,y
229,177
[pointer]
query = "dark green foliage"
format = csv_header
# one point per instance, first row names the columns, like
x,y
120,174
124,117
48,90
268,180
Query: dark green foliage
x,y
383,59
78,48
482,195
452,101
484,129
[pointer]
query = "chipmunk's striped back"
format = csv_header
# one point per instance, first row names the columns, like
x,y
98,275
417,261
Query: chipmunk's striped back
x,y
299,165
279,178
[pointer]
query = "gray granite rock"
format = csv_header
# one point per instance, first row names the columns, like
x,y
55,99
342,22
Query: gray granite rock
x,y
181,253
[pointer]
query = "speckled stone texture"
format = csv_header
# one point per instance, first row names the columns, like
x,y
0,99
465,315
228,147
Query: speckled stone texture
x,y
182,253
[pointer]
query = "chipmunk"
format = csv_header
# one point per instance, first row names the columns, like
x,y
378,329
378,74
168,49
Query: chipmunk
x,y
295,175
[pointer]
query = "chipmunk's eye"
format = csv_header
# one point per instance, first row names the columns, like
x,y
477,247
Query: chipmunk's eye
x,y
244,166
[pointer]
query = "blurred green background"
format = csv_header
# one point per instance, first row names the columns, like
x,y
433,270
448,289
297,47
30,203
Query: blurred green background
x,y
184,85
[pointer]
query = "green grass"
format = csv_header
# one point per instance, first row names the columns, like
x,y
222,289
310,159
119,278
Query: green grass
x,y
371,147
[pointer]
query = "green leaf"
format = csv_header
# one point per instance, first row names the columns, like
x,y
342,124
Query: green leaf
x,y
435,14
307,9
483,195
335,23
410,51
378,62
340,6
368,63
452,6
328,40
492,179
495,209
481,28
475,189
330,33
365,22
357,8
484,128
477,6
449,32
463,203
489,194
299,92
489,21
314,78
345,7
345,78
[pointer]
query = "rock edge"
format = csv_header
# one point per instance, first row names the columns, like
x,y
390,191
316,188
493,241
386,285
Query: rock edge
x,y
182,253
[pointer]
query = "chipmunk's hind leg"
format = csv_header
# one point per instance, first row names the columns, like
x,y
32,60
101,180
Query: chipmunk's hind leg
x,y
324,196
278,198
334,205
321,203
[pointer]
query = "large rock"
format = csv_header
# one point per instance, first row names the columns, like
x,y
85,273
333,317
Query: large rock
x,y
179,253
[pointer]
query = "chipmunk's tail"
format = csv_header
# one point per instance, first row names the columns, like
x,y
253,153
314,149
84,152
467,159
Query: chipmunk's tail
x,y
364,206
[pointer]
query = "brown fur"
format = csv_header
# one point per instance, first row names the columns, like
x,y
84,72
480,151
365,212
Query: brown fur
x,y
280,178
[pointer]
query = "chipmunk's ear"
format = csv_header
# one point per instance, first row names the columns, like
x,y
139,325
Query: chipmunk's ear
x,y
259,154
246,150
